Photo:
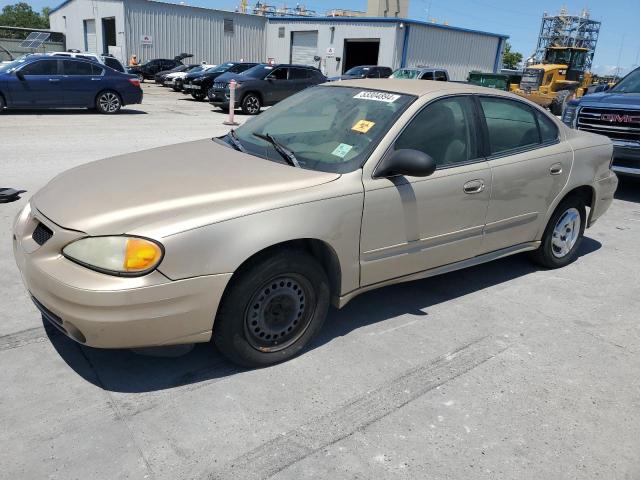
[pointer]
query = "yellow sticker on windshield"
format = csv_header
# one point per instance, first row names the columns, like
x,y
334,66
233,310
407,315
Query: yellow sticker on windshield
x,y
363,126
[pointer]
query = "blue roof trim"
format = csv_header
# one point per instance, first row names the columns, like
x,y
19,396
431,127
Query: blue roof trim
x,y
408,21
60,6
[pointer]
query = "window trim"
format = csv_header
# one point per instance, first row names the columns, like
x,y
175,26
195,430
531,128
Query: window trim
x,y
480,142
485,129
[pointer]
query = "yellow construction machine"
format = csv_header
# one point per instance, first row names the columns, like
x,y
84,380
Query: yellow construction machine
x,y
560,77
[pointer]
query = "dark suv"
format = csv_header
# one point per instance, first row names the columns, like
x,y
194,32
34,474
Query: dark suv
x,y
263,85
616,114
198,83
364,71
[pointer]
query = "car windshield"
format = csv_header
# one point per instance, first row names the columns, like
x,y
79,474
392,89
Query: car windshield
x,y
629,84
220,68
9,67
259,71
330,129
405,73
357,71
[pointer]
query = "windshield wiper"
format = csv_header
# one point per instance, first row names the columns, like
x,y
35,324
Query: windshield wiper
x,y
284,152
235,141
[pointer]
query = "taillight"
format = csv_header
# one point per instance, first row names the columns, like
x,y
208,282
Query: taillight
x,y
135,82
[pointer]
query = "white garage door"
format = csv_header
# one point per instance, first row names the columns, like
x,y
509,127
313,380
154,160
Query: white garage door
x,y
304,46
90,42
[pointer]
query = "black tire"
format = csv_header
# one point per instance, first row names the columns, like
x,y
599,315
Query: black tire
x,y
140,77
224,109
177,86
199,96
2,105
108,102
549,255
559,103
251,104
272,308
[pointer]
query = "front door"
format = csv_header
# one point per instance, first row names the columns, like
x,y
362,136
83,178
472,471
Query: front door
x,y
413,224
37,84
529,165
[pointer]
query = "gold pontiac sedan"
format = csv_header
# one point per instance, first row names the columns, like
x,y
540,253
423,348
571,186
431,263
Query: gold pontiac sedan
x,y
342,188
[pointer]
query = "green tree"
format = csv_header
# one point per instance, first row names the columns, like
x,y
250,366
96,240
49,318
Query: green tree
x,y
510,59
22,15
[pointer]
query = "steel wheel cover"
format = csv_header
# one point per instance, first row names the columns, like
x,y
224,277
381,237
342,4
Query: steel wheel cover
x,y
565,233
279,313
109,102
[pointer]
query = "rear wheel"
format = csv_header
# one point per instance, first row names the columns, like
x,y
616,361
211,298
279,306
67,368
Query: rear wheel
x,y
251,104
272,309
559,103
140,77
199,96
108,102
2,105
177,85
563,235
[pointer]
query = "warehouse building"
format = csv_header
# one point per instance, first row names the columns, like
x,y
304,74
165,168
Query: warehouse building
x,y
151,29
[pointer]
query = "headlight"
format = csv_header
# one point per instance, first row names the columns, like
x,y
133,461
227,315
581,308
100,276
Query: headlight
x,y
125,256
569,115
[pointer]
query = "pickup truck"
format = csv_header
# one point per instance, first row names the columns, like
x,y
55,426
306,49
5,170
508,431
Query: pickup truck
x,y
614,113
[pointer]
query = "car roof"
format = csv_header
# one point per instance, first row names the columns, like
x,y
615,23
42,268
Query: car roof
x,y
417,87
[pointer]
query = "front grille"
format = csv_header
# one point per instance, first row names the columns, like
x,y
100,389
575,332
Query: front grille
x,y
220,85
41,234
618,124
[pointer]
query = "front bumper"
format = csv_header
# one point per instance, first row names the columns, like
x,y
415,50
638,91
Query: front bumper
x,y
221,98
626,158
112,312
132,96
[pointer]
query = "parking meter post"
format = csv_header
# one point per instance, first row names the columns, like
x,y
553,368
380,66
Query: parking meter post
x,y
232,103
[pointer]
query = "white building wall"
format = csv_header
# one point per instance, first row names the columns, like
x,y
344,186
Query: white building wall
x,y
175,29
280,48
69,19
456,50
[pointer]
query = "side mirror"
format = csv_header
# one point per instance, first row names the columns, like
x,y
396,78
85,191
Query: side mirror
x,y
20,75
407,162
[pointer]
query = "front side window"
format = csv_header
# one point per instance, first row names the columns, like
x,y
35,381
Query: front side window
x,y
330,129
278,74
511,125
42,67
444,131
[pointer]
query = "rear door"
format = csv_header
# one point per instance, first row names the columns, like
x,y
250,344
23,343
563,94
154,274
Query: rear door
x,y
278,86
299,78
81,82
529,165
40,85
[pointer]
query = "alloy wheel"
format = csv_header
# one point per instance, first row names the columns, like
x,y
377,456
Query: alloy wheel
x,y
252,104
109,102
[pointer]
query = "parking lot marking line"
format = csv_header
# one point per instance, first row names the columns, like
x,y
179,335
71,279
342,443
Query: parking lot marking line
x,y
279,453
22,338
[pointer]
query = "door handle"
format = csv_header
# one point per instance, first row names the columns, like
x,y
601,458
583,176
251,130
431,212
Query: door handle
x,y
474,186
555,169
53,80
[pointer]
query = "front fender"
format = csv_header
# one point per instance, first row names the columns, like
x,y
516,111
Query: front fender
x,y
223,247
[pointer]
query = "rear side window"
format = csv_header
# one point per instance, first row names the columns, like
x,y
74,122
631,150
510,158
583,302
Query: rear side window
x,y
511,125
113,63
548,129
298,73
441,76
42,67
427,76
71,67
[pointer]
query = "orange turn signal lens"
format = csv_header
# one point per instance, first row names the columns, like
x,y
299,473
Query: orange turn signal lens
x,y
141,255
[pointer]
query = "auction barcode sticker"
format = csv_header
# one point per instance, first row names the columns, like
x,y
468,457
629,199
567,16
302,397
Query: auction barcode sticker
x,y
378,96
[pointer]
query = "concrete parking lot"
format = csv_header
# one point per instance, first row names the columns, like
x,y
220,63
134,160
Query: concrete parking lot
x,y
502,371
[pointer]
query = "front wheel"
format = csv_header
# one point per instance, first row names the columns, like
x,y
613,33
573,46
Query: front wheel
x,y
199,96
563,235
272,308
251,104
108,102
177,86
559,103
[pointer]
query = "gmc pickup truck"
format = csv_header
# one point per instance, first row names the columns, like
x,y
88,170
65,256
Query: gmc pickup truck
x,y
616,114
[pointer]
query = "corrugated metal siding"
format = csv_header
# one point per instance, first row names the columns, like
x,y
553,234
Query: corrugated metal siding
x,y
280,48
457,51
176,29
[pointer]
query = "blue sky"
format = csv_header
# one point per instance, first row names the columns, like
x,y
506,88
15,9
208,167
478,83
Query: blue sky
x,y
520,20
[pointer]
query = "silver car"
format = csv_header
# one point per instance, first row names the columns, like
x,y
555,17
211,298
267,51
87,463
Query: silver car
x,y
340,189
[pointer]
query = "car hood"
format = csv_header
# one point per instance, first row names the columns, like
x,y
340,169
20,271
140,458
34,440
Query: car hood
x,y
227,77
611,99
169,189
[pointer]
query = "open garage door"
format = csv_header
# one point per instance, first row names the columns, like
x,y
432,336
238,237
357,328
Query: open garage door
x,y
360,52
304,47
